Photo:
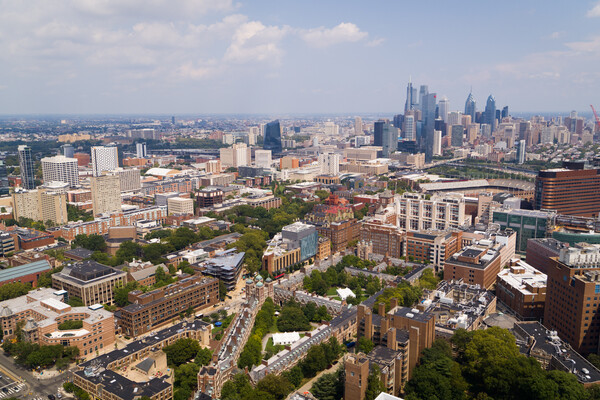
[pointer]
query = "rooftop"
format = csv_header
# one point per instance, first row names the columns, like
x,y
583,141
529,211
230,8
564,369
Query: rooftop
x,y
35,267
522,276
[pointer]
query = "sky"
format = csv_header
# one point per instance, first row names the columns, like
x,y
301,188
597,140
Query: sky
x,y
281,56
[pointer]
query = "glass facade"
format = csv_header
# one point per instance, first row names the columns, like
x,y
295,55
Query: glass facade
x,y
309,245
526,226
272,139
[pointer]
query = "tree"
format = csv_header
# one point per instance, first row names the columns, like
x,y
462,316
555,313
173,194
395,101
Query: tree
x,y
222,290
13,290
365,345
276,385
329,386
292,319
181,351
121,297
203,356
128,251
314,361
374,384
294,375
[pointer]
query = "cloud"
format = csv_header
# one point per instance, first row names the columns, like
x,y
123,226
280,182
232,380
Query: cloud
x,y
556,35
588,46
376,42
594,12
160,9
254,41
323,37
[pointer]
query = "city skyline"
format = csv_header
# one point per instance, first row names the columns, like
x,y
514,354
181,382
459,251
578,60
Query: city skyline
x,y
223,57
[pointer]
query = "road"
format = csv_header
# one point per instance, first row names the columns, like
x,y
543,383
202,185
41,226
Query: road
x,y
37,387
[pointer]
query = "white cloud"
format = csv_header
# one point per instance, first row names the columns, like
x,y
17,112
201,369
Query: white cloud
x,y
376,42
325,37
254,41
588,46
159,9
595,11
556,35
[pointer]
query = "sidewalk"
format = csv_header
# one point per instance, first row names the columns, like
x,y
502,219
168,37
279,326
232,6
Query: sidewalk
x,y
308,385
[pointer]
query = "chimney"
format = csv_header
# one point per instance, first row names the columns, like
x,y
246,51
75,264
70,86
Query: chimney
x,y
381,309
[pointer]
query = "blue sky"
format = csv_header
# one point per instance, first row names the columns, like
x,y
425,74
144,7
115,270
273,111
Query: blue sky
x,y
222,56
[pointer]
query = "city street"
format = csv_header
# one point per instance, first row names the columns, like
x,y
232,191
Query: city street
x,y
30,386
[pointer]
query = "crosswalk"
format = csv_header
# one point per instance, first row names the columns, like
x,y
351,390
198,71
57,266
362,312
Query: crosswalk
x,y
12,389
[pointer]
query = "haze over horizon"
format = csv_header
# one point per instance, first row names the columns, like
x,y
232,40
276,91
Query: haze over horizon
x,y
266,57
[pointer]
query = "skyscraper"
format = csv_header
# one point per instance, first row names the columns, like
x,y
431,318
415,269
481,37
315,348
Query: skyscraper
x,y
26,165
423,91
428,109
329,163
106,193
272,139
444,108
505,112
378,133
358,126
4,185
409,131
470,107
68,150
521,151
489,116
140,150
104,159
409,97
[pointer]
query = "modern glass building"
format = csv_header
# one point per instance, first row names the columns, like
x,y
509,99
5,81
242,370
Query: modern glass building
x,y
386,136
304,236
428,106
470,107
489,114
26,164
272,139
4,186
528,224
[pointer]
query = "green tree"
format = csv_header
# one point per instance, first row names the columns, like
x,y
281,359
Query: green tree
x,y
128,251
181,351
276,385
292,319
203,356
374,384
365,345
222,290
329,386
121,295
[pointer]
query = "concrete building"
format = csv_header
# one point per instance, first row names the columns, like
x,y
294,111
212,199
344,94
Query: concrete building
x,y
522,288
329,163
140,150
60,169
41,205
89,281
225,266
104,159
417,212
43,310
296,243
160,306
433,247
26,167
237,155
263,158
106,193
180,205
129,179
475,265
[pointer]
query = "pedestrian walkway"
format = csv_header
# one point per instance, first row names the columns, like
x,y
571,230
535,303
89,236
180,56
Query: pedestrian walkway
x,y
11,390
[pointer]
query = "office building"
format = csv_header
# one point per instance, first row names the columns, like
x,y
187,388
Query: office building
x,y
455,118
528,224
432,247
358,126
444,108
504,113
180,206
104,159
386,136
162,305
410,100
262,158
272,137
437,143
106,193
470,107
225,266
89,281
572,297
26,167
4,184
140,150
129,179
41,205
60,169
417,212
428,107
208,197
329,163
68,150
522,288
489,115
456,135
297,243
340,233
235,156
569,191
39,314
410,131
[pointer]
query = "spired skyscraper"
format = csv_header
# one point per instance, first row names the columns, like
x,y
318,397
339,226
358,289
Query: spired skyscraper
x,y
273,137
411,97
489,115
26,165
470,107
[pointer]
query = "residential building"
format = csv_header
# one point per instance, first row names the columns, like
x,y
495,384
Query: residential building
x,y
272,137
236,155
151,309
569,191
41,312
522,288
329,163
106,193
384,239
104,159
129,179
89,281
140,150
475,265
41,205
26,167
432,247
572,304
180,205
60,169
262,158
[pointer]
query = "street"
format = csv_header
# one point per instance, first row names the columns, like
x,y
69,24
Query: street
x,y
37,387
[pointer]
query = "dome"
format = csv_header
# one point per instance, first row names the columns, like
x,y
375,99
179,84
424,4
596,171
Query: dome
x,y
249,282
6,312
259,278
269,280
259,284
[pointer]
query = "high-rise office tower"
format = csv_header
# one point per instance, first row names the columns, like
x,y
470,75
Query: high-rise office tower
x,y
470,106
386,136
444,108
489,115
457,133
329,163
454,118
104,159
409,131
423,91
4,185
106,193
140,150
378,133
521,151
358,126
272,139
504,112
61,169
428,118
437,143
68,150
408,106
26,165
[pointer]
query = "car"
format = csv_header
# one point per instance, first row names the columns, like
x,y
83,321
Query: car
x,y
51,397
59,395
5,390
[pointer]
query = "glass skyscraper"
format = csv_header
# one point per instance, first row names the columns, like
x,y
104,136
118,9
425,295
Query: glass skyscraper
x,y
388,137
4,186
489,115
26,164
470,107
273,137
428,107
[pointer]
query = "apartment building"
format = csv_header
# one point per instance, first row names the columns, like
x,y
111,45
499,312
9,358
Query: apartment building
x,y
129,179
151,309
60,169
89,281
433,247
106,193
41,205
418,212
180,206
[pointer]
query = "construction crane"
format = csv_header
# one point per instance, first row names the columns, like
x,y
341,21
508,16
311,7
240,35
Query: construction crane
x,y
596,116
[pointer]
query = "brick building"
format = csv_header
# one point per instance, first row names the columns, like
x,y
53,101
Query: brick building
x,y
475,265
340,233
433,247
27,273
386,239
523,289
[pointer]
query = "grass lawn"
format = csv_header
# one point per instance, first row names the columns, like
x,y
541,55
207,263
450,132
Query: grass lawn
x,y
274,349
332,291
